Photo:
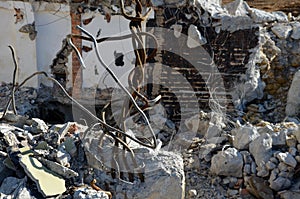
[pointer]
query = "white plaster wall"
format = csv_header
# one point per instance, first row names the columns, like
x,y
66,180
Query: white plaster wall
x,y
53,24
118,26
24,47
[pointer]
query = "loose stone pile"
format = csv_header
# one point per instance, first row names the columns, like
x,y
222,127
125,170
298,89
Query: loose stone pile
x,y
261,160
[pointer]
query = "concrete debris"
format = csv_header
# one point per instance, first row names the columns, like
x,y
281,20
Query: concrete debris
x,y
47,182
293,98
11,185
37,126
88,193
227,163
287,158
253,151
237,8
243,136
296,30
261,149
58,168
198,123
177,30
260,16
164,178
195,38
259,188
282,31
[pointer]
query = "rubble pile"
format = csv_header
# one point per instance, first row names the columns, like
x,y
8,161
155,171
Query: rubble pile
x,y
255,154
70,160
259,161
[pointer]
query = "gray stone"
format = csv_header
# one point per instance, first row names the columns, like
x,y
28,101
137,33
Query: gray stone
x,y
280,16
198,123
289,194
293,99
10,184
259,188
282,166
270,165
244,135
296,30
24,193
58,168
280,183
237,8
261,149
37,126
287,158
235,23
228,163
181,141
282,31
297,158
62,156
192,193
195,38
164,177
11,139
263,171
274,175
205,150
279,138
260,16
247,169
88,193
293,151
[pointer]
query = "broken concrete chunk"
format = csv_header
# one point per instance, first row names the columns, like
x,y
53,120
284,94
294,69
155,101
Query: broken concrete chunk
x,y
23,193
48,183
62,156
296,30
237,8
258,187
37,126
17,119
260,16
290,194
195,38
69,146
182,141
10,184
87,193
59,169
280,183
177,30
261,149
287,158
280,16
244,135
282,31
11,139
293,99
279,138
164,177
227,163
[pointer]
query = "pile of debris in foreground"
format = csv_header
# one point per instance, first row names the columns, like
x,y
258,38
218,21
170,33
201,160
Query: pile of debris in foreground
x,y
248,161
208,160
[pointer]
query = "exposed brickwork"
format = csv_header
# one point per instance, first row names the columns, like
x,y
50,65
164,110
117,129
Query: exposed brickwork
x,y
76,67
230,53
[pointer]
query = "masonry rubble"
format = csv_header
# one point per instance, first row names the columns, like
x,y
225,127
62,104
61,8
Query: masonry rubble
x,y
211,156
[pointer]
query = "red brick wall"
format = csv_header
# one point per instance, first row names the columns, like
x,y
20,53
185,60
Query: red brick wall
x,y
76,67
